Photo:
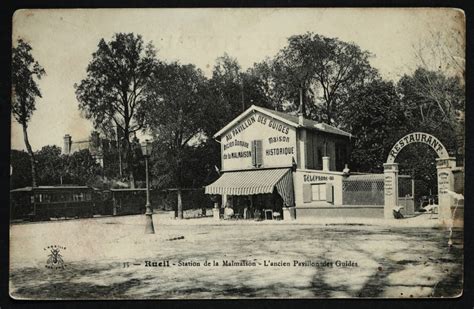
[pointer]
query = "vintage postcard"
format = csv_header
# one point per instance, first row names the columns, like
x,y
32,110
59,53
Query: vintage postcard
x,y
237,153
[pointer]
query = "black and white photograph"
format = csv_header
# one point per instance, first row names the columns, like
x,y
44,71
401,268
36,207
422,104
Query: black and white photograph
x,y
237,153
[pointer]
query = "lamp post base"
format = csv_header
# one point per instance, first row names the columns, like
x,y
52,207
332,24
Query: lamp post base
x,y
149,229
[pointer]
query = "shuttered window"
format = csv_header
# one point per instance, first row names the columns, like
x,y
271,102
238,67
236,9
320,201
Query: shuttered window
x,y
257,153
307,196
329,193
318,192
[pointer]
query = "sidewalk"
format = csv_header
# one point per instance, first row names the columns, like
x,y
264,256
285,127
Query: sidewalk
x,y
421,221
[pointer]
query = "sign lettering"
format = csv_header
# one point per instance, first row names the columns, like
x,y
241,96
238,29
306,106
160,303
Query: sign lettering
x,y
280,151
417,137
237,155
313,178
236,143
278,139
271,123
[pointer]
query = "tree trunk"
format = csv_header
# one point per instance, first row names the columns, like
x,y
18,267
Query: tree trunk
x,y
128,157
131,178
31,154
328,113
180,205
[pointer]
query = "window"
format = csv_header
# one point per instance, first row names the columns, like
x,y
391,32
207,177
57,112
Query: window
x,y
42,198
257,153
318,192
77,197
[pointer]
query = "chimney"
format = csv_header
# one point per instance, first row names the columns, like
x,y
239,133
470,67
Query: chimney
x,y
326,164
67,144
301,109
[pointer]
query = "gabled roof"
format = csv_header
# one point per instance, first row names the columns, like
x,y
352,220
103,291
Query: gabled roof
x,y
291,120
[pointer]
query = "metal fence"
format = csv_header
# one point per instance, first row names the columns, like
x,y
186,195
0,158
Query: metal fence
x,y
363,190
405,186
406,191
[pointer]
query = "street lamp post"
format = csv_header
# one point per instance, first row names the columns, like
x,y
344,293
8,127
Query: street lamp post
x,y
146,150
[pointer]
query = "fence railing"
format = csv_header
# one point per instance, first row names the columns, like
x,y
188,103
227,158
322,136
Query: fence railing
x,y
369,189
363,190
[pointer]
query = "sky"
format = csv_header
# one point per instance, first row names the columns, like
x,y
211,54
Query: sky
x,y
63,41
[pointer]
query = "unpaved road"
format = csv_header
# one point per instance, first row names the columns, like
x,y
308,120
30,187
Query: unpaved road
x,y
107,258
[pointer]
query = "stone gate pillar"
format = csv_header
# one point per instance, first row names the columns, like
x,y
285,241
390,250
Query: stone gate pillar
x,y
390,171
445,167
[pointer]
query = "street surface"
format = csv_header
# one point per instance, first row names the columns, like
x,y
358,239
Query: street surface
x,y
112,258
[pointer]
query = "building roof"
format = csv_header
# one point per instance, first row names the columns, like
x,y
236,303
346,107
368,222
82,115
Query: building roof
x,y
82,145
79,145
289,119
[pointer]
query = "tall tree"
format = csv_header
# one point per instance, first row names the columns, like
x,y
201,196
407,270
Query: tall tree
x,y
226,89
435,92
175,115
436,105
377,119
25,73
113,90
326,69
273,87
232,90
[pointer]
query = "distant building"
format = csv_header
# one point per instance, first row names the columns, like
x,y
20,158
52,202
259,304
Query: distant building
x,y
94,144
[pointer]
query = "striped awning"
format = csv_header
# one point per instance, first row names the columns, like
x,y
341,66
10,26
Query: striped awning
x,y
255,182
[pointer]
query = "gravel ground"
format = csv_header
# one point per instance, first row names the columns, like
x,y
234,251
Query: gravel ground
x,y
107,258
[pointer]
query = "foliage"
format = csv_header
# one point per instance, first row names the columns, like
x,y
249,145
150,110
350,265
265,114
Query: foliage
x,y
326,69
419,161
113,91
51,165
225,97
25,71
231,91
176,116
376,118
55,168
21,169
436,105
127,89
81,168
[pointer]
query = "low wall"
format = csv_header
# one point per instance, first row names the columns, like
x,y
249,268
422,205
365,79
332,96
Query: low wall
x,y
340,211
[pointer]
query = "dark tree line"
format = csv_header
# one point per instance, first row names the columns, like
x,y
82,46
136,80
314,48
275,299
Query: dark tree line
x,y
79,168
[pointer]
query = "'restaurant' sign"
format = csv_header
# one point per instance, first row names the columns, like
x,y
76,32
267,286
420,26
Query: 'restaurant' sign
x,y
417,137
